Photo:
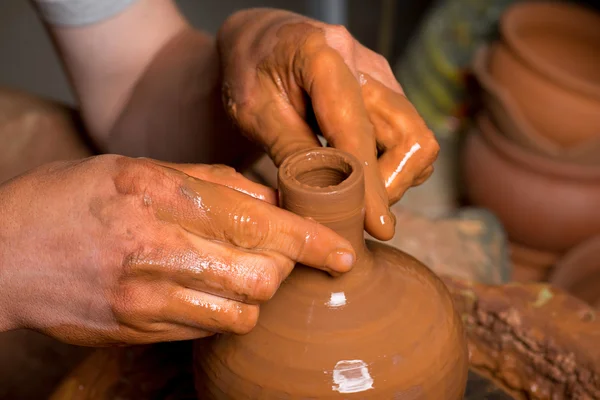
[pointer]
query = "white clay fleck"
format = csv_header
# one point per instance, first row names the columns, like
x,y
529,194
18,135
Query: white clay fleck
x,y
415,147
351,376
337,299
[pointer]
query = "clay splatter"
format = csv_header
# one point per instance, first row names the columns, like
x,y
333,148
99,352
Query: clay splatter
x,y
351,376
544,296
337,299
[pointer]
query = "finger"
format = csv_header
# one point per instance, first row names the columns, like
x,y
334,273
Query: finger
x,y
216,212
210,313
342,117
226,176
162,332
223,270
280,128
409,147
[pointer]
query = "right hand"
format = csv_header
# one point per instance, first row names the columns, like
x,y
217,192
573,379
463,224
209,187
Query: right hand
x,y
115,250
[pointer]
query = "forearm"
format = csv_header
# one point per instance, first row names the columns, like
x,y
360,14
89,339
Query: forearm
x,y
105,59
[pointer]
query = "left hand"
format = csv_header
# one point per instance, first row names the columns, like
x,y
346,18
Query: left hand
x,y
278,67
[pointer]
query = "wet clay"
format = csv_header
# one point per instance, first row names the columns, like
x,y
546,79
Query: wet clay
x,y
386,329
538,341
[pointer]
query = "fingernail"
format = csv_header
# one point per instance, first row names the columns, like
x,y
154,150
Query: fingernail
x,y
340,261
388,220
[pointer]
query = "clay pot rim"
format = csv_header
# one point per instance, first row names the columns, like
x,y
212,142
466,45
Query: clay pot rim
x,y
480,69
520,14
570,269
534,162
288,172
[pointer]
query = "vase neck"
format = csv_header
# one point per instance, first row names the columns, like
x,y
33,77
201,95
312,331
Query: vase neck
x,y
326,185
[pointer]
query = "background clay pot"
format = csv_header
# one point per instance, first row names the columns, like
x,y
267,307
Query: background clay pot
x,y
386,329
531,265
543,204
578,272
549,61
511,121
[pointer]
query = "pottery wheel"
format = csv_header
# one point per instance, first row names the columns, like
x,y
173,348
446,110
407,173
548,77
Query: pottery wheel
x,y
164,371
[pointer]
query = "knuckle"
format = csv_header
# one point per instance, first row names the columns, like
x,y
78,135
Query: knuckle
x,y
340,38
244,318
381,62
262,281
250,231
324,62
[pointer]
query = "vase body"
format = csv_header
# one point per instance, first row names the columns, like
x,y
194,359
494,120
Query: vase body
x,y
386,330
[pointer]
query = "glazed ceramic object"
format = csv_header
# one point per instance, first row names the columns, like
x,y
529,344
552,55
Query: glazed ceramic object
x,y
387,329
550,63
512,122
543,204
578,272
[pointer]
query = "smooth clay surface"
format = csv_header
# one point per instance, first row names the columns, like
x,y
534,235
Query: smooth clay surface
x,y
386,330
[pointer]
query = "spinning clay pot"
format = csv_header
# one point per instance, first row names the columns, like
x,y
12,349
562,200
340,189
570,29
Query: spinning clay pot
x,y
549,62
543,204
387,329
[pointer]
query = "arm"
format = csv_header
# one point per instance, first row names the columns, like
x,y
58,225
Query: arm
x,y
148,84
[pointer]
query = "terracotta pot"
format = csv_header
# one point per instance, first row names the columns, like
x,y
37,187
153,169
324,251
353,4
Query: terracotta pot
x,y
512,122
387,329
550,63
531,265
578,272
543,204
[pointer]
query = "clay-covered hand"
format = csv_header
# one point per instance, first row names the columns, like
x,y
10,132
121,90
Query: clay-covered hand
x,y
282,71
114,250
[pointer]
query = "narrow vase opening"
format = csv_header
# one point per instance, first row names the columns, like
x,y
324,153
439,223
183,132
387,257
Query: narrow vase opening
x,y
325,176
326,185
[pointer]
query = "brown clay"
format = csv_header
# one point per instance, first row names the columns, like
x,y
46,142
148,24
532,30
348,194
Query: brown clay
x,y
578,272
531,265
538,341
549,62
386,329
544,204
513,123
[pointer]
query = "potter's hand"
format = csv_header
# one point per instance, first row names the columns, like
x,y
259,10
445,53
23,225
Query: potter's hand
x,y
272,60
119,250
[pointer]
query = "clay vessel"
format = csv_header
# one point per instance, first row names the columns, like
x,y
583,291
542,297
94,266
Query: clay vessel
x,y
578,272
387,329
531,265
549,62
543,204
511,121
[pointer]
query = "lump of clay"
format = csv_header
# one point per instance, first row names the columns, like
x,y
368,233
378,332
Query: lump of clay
x,y
386,330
